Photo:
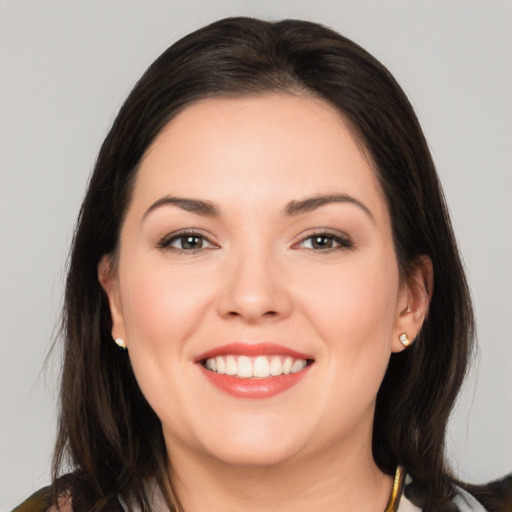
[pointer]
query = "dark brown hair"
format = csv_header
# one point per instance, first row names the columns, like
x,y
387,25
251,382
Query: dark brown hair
x,y
107,429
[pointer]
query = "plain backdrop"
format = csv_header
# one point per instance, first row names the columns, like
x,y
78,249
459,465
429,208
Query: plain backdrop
x,y
67,65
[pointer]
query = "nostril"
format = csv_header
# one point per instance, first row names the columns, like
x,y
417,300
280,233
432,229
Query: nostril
x,y
267,313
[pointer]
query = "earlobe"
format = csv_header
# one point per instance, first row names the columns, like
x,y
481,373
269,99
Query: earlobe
x,y
110,284
413,304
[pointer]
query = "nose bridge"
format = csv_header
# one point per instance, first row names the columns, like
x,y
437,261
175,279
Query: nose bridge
x,y
254,287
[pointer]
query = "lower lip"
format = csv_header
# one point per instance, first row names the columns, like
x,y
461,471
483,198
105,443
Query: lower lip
x,y
254,388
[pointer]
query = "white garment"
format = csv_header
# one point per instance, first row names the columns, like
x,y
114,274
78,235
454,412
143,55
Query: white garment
x,y
466,502
158,503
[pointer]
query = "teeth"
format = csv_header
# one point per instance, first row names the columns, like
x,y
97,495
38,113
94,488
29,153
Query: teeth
x,y
221,365
298,365
244,367
260,367
287,365
276,367
231,368
211,364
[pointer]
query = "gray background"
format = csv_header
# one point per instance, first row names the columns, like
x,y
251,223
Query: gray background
x,y
66,66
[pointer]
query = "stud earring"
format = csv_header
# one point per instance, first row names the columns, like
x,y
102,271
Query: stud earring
x,y
120,343
404,340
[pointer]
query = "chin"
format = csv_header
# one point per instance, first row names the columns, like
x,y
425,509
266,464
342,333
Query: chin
x,y
252,456
259,446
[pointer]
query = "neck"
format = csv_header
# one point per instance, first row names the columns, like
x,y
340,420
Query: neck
x,y
348,481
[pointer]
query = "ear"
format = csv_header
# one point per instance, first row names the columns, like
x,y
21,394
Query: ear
x,y
110,283
413,301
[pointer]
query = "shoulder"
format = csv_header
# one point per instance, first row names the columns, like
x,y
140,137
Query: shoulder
x,y
496,496
42,501
75,494
492,497
466,502
415,500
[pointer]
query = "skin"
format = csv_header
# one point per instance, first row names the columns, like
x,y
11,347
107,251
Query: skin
x,y
258,278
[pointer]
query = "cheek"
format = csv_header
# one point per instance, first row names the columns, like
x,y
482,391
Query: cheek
x,y
353,309
354,314
161,304
162,309
353,298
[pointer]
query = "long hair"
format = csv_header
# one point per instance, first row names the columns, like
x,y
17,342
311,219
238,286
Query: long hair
x,y
107,430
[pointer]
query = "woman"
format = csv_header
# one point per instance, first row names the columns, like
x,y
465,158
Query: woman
x,y
261,237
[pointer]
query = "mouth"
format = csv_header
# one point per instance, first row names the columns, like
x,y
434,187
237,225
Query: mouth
x,y
260,367
254,370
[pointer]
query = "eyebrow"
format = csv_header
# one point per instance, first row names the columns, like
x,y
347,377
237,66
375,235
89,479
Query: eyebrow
x,y
295,207
205,208
312,203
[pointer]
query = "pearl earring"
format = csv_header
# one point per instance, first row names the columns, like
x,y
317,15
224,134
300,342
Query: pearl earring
x,y
404,340
120,343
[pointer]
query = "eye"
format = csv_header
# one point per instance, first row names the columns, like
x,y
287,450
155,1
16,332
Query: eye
x,y
186,242
325,242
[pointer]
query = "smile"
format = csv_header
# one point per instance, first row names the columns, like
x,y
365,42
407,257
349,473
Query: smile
x,y
259,370
260,367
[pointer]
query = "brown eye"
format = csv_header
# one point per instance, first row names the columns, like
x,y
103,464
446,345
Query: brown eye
x,y
322,242
325,242
189,242
186,242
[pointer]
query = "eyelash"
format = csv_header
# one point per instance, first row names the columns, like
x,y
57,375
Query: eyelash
x,y
166,242
344,242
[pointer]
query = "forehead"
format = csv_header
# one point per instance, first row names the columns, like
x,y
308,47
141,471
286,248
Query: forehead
x,y
266,148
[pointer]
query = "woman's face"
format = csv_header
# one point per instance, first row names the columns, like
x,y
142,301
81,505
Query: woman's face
x,y
258,243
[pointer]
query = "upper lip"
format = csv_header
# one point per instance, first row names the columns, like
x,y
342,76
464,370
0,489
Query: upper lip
x,y
252,349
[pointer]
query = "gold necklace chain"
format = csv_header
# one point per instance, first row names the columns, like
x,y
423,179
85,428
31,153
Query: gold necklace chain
x,y
398,484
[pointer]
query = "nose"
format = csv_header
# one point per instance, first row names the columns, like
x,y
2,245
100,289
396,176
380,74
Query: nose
x,y
254,289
